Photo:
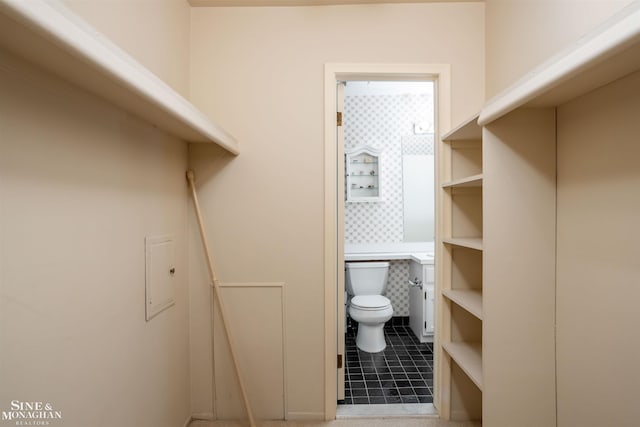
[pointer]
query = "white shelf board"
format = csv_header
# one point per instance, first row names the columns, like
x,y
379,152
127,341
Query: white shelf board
x,y
46,33
469,357
468,129
469,300
608,53
466,242
469,181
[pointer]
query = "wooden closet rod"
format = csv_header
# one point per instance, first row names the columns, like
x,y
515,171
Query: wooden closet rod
x,y
218,296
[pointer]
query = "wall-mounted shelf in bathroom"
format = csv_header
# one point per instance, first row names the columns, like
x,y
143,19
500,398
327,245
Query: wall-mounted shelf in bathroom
x,y
52,37
363,174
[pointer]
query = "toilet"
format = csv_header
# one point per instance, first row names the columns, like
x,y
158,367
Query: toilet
x,y
365,282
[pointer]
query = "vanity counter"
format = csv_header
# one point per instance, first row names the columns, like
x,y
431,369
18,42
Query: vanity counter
x,y
420,252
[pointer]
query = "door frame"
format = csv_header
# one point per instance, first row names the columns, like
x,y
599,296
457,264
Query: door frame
x,y
333,247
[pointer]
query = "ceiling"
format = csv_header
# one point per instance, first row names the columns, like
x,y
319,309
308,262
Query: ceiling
x,y
268,3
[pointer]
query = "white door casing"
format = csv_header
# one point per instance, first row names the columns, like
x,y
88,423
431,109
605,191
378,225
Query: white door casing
x,y
334,202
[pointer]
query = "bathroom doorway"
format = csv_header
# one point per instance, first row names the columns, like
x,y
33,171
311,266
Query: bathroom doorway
x,y
334,211
388,137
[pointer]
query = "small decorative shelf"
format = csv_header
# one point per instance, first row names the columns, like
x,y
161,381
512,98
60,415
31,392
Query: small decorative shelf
x,y
363,174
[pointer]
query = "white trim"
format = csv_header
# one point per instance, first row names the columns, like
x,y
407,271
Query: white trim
x,y
396,410
334,73
81,55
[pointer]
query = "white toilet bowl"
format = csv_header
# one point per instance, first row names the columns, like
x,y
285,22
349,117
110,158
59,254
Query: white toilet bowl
x,y
371,312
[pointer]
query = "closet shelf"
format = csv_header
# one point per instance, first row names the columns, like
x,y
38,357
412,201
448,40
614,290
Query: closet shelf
x,y
55,39
468,356
466,242
608,53
468,129
470,181
469,300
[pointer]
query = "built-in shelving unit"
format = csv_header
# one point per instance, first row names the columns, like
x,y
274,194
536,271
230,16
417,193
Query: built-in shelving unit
x,y
505,300
50,36
460,271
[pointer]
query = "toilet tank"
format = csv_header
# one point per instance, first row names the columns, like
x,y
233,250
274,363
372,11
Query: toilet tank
x,y
366,278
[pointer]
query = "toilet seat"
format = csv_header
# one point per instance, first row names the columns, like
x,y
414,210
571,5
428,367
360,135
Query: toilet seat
x,y
370,302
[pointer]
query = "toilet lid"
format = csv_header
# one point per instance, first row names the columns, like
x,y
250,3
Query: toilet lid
x,y
370,302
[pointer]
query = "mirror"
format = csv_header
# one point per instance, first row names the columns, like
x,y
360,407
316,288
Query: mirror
x,y
418,197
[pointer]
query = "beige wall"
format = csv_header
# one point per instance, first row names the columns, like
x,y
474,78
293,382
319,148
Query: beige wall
x,y
81,185
154,32
597,281
597,210
260,72
523,33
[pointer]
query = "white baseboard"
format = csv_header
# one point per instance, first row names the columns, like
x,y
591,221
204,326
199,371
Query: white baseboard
x,y
405,410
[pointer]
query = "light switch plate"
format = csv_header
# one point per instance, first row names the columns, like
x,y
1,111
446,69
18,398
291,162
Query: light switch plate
x,y
421,128
159,274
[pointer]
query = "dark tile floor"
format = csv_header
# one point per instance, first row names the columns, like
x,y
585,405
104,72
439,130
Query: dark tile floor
x,y
402,373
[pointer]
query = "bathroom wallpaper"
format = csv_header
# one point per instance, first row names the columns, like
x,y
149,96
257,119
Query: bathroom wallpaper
x,y
386,122
397,288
